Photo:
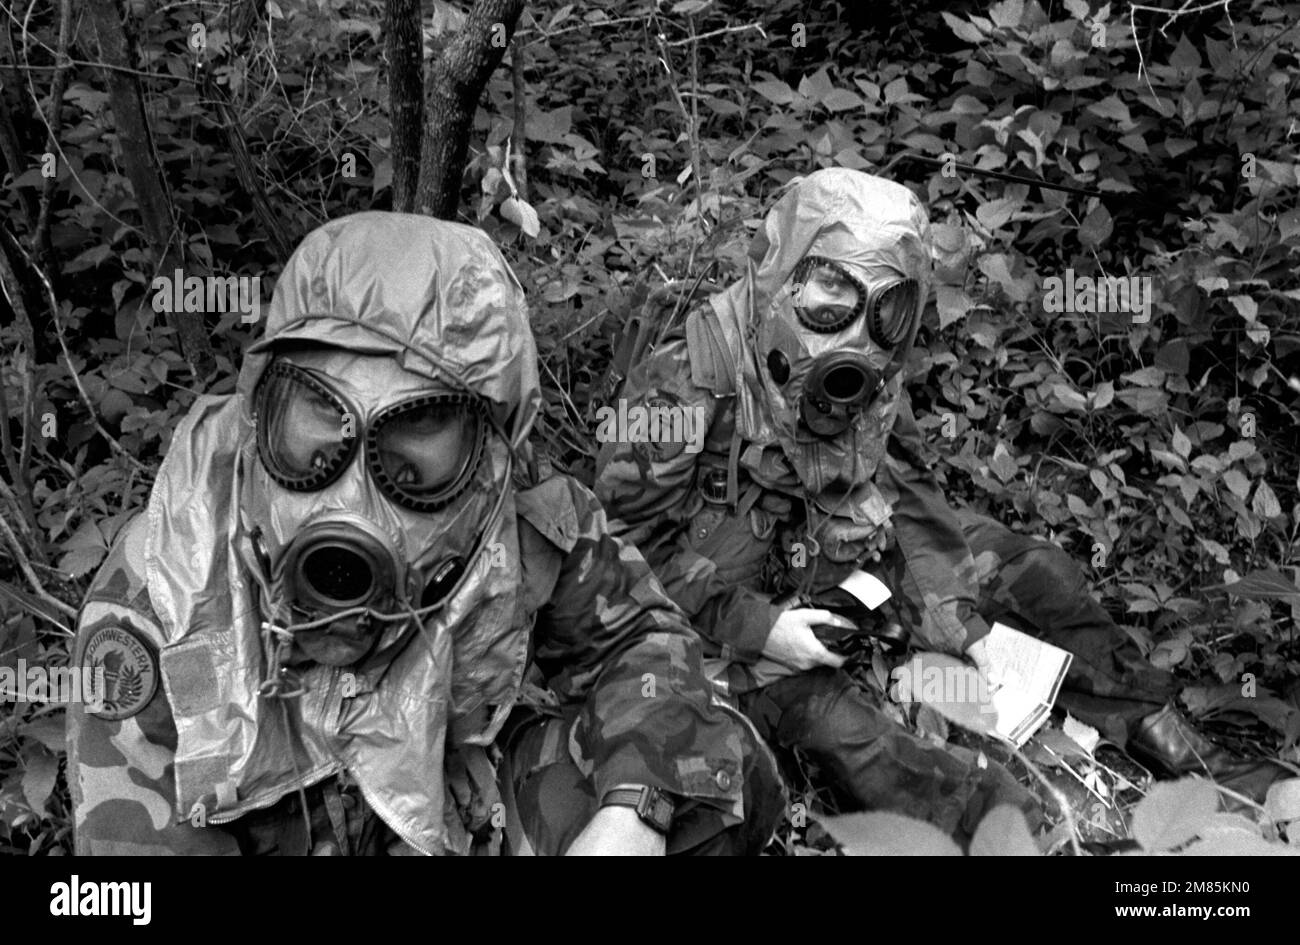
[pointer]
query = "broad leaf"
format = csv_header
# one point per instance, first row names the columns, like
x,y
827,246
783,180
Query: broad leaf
x,y
885,834
1264,584
1173,813
1003,832
1282,803
41,769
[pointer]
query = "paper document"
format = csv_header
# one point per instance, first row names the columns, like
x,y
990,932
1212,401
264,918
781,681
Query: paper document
x,y
1030,673
1013,705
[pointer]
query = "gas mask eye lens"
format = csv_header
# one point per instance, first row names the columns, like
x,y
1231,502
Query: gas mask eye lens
x,y
424,452
421,450
302,429
826,298
892,313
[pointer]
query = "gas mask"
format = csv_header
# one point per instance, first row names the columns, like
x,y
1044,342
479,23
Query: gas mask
x,y
373,492
819,327
838,334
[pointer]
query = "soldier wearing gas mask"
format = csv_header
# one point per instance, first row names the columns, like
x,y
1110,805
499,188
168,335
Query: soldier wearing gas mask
x,y
353,620
812,468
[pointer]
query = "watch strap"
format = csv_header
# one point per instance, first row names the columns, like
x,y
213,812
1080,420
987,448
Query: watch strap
x,y
652,805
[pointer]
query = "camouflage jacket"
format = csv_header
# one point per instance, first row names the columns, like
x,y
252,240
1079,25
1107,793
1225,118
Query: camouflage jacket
x,y
729,565
614,652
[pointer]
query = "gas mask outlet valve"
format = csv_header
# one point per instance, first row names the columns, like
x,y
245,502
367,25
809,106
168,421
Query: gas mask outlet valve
x,y
839,386
334,566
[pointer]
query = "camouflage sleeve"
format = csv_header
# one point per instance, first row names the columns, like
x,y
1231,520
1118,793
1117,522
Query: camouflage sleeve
x,y
121,744
610,638
934,550
647,487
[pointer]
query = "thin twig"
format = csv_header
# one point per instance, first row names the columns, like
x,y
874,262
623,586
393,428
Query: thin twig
x,y
25,566
581,26
695,118
41,240
691,130
20,471
35,605
718,32
1242,798
53,136
72,370
518,108
1057,795
30,529
1173,15
7,448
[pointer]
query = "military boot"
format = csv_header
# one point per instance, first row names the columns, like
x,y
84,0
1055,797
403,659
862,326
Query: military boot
x,y
1168,741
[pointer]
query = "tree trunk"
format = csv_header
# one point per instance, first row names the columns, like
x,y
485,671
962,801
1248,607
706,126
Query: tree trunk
x,y
405,51
11,145
451,97
143,170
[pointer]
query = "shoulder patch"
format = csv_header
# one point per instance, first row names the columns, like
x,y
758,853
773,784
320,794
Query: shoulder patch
x,y
130,671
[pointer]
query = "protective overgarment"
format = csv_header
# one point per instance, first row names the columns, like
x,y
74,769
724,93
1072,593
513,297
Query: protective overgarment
x,y
245,713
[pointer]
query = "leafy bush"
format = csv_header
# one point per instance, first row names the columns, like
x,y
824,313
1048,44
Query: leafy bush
x,y
1162,452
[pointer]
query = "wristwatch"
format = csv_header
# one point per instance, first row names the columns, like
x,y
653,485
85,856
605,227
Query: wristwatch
x,y
653,806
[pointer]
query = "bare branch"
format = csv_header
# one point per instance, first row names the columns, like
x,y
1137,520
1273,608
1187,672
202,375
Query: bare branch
x,y
1057,795
41,239
25,565
693,38
518,108
67,356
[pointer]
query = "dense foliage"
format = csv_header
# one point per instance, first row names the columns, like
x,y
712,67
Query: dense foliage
x,y
1161,451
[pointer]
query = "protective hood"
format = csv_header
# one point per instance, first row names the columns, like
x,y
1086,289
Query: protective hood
x,y
844,215
435,295
430,301
876,230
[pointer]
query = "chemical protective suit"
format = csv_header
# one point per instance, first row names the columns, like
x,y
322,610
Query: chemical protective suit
x,y
316,635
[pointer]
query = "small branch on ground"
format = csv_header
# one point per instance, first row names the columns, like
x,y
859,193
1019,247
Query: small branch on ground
x,y
1061,800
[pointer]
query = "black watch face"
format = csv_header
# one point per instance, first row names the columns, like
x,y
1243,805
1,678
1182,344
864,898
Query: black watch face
x,y
661,811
